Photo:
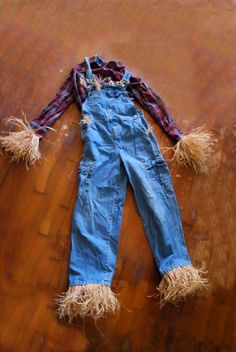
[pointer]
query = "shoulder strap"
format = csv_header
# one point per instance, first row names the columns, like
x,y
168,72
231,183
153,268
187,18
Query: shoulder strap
x,y
126,76
89,70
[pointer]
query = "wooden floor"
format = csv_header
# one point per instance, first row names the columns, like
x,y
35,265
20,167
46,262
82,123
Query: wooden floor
x,y
185,50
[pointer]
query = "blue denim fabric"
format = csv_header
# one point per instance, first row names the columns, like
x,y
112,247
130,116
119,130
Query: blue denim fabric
x,y
118,150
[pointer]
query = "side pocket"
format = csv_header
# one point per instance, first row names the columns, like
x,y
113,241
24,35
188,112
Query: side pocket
x,y
164,173
158,171
85,173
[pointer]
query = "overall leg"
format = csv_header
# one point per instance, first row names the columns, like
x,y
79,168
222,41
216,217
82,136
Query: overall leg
x,y
156,201
97,212
96,225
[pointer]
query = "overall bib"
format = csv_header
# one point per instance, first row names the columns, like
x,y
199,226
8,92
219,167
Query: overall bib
x,y
119,146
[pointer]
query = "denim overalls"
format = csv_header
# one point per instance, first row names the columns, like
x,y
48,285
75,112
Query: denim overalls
x,y
120,146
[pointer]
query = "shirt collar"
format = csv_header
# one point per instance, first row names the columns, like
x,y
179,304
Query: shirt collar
x,y
97,61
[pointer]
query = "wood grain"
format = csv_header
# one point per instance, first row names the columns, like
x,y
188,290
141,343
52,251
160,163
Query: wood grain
x,y
185,50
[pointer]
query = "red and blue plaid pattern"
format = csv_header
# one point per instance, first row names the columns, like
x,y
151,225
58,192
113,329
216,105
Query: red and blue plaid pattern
x,y
73,91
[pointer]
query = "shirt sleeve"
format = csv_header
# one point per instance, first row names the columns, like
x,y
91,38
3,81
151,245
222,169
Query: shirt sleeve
x,y
55,108
153,104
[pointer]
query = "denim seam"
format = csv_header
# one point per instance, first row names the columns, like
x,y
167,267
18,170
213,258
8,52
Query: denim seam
x,y
87,282
178,218
167,196
150,239
108,235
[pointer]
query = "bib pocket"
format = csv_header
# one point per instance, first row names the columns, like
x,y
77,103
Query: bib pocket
x,y
94,98
113,93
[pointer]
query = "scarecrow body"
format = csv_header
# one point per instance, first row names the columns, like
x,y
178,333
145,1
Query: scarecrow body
x,y
119,147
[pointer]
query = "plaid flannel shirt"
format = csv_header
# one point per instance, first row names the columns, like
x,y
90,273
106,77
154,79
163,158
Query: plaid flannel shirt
x,y
73,91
